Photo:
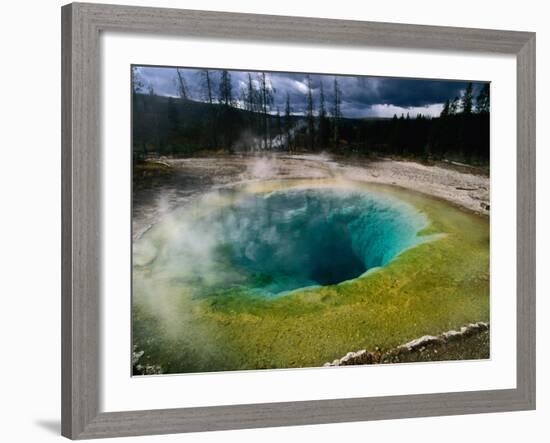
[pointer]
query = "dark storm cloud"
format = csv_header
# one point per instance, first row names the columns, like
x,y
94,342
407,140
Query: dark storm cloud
x,y
361,96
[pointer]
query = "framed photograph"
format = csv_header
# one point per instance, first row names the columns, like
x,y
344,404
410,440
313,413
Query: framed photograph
x,y
273,221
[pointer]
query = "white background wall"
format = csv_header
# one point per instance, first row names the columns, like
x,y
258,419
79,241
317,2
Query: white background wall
x,y
30,220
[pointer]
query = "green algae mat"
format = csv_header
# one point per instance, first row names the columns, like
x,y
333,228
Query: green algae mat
x,y
296,273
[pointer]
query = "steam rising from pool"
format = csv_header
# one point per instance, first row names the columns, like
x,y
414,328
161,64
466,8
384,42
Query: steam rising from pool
x,y
269,243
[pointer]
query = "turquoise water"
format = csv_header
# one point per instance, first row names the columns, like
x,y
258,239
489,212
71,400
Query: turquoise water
x,y
271,243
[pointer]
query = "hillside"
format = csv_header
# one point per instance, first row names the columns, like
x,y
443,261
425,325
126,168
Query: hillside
x,y
181,127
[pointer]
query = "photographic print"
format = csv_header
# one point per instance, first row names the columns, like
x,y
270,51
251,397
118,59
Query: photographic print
x,y
296,220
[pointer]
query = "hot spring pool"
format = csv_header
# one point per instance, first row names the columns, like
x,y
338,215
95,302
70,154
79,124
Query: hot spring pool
x,y
296,273
270,243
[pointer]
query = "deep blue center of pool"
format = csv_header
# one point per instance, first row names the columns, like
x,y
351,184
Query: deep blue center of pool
x,y
292,239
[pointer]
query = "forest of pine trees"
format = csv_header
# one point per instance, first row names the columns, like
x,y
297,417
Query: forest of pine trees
x,y
220,119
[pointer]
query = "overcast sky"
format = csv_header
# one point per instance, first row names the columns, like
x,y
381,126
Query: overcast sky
x,y
362,96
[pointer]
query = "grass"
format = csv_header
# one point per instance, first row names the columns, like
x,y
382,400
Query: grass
x,y
434,287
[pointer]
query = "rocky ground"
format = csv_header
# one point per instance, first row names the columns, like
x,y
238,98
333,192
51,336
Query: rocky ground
x,y
471,342
167,183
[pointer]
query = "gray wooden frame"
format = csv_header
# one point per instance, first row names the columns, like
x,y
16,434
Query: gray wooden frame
x,y
81,164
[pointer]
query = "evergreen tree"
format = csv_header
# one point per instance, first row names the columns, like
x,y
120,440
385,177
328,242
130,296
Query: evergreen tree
x,y
322,108
226,96
251,102
445,111
483,100
139,132
137,81
453,107
467,100
175,125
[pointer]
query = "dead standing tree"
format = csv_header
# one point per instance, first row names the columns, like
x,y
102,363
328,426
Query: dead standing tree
x,y
288,123
336,112
207,86
310,118
266,100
